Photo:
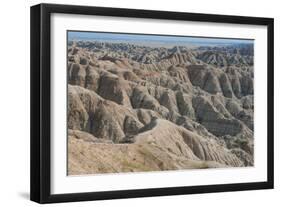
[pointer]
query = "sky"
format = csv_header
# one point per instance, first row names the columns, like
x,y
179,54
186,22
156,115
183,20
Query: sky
x,y
161,39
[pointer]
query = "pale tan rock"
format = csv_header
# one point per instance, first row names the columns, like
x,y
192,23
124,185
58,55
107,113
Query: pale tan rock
x,y
133,109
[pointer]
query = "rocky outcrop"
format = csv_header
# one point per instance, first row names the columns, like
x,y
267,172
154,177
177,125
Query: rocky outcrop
x,y
214,121
221,58
139,108
226,86
184,103
113,88
181,141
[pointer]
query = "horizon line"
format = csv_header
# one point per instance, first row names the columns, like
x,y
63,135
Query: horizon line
x,y
158,38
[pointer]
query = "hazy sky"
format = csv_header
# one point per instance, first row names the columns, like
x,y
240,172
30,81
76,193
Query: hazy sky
x,y
176,40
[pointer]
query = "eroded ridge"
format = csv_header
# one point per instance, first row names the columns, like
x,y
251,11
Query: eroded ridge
x,y
140,108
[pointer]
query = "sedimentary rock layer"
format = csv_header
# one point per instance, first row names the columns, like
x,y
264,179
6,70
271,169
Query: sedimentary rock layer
x,y
138,108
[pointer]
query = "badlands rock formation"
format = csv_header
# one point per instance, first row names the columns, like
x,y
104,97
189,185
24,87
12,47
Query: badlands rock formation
x,y
137,108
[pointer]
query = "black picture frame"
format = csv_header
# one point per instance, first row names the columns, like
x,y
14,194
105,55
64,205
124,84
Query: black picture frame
x,y
41,98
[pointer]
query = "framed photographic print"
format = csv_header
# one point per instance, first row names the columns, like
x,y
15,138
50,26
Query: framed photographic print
x,y
133,103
